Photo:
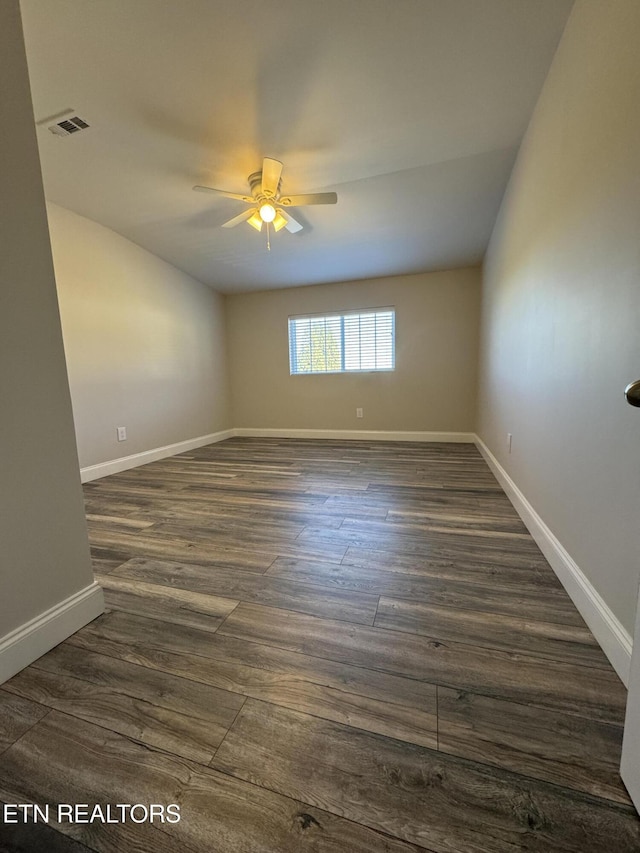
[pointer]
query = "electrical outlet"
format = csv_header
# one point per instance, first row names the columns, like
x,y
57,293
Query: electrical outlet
x,y
359,413
509,438
122,433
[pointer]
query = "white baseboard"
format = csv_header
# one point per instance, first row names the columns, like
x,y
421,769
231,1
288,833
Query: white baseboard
x,y
36,637
614,639
357,434
114,466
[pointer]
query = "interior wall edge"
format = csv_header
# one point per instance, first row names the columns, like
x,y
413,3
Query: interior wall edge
x,y
36,637
616,642
145,343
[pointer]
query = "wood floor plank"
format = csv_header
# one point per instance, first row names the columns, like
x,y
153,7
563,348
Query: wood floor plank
x,y
178,606
140,633
224,536
450,527
202,545
163,478
571,751
476,485
258,499
512,599
346,605
116,522
37,838
568,643
504,571
289,521
430,503
172,713
113,502
182,547
104,560
63,759
591,692
422,796
381,703
477,517
205,517
17,715
344,501
437,545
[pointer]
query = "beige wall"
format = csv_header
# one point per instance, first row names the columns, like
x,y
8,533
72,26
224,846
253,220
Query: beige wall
x,y
561,308
145,343
432,388
44,554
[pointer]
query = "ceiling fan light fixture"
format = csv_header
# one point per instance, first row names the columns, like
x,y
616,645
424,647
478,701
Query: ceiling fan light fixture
x,y
255,221
279,221
267,212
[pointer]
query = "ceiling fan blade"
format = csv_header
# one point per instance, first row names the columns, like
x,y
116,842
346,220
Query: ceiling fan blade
x,y
241,217
308,198
271,171
292,226
246,198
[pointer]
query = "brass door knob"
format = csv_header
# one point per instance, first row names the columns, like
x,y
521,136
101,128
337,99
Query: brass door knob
x,y
632,393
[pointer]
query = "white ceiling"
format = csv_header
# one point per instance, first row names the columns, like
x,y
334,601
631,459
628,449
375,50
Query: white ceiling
x,y
411,110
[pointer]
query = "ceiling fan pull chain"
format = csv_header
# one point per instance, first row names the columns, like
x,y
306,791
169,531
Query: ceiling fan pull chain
x,y
268,238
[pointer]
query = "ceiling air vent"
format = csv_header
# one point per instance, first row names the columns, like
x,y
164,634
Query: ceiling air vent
x,y
68,126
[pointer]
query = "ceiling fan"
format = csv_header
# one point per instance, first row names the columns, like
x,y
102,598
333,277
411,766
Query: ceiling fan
x,y
267,201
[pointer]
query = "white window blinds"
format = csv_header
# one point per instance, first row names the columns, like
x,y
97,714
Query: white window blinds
x,y
342,343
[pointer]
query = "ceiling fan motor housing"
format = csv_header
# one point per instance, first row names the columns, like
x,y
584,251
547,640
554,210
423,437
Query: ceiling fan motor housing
x,y
255,182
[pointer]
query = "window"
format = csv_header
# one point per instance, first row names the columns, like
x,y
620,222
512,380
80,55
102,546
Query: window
x,y
342,343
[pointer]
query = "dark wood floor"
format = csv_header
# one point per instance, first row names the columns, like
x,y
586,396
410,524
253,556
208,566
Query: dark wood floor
x,y
321,646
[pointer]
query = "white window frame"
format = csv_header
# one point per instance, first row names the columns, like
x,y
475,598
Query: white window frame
x,y
346,341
